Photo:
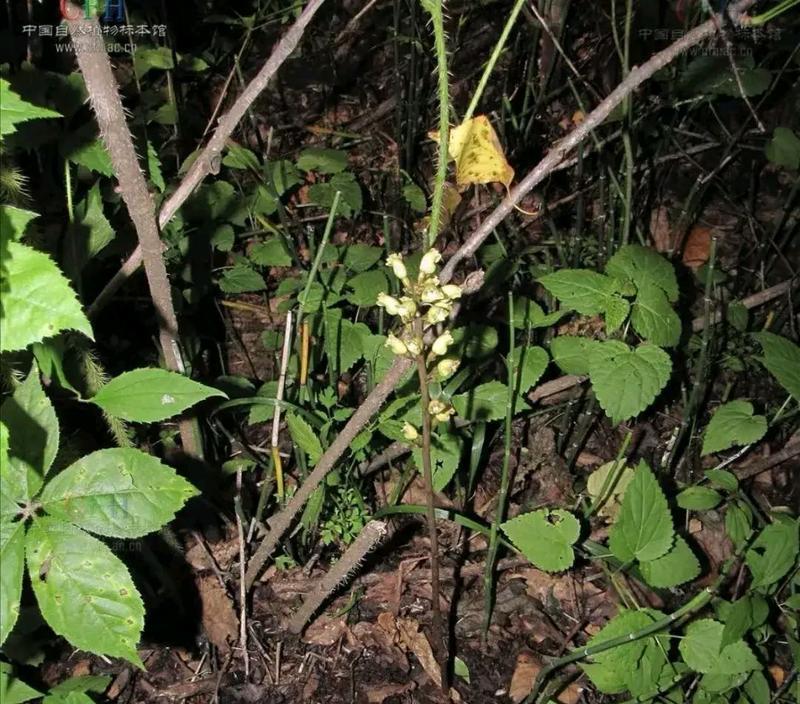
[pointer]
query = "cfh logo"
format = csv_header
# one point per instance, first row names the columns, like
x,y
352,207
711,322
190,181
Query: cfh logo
x,y
113,10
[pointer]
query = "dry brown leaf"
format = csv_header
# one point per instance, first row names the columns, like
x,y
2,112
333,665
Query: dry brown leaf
x,y
219,619
697,247
82,668
525,671
224,552
325,630
379,693
660,232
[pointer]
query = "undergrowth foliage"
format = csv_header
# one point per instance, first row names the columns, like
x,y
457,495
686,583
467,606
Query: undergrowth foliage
x,y
603,313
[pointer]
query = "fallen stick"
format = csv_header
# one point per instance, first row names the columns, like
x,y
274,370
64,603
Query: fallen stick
x,y
282,521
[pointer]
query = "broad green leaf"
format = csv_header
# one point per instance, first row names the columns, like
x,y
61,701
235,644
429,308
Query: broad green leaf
x,y
223,238
366,286
147,58
13,222
13,480
85,148
572,354
120,492
545,537
626,381
84,591
741,616
722,479
528,313
712,75
241,279
698,498
645,268
415,197
284,175
33,437
272,252
92,231
12,565
324,161
474,341
154,168
738,523
38,301
585,291
83,683
445,456
360,257
644,527
773,552
238,157
784,148
529,365
13,690
782,360
757,689
733,424
460,668
700,648
14,110
351,344
678,566
304,437
615,670
653,317
483,403
616,313
262,412
151,395
350,201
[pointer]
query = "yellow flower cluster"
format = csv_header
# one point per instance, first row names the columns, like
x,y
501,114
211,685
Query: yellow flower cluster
x,y
425,299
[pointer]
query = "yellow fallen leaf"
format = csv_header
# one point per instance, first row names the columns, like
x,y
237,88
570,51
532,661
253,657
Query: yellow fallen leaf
x,y
479,157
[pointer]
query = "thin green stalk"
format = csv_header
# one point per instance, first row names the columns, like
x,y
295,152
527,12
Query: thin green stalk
x,y
434,9
772,13
499,513
498,49
611,478
320,251
437,632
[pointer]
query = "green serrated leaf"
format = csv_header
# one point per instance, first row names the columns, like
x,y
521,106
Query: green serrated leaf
x,y
120,492
151,395
644,527
415,197
85,148
732,424
773,552
784,148
12,565
572,354
350,201
653,317
782,360
14,222
12,689
738,523
722,479
84,591
616,313
678,566
272,252
284,175
545,537
154,168
445,457
38,301
304,437
366,286
701,650
241,279
739,619
14,110
360,257
324,161
528,313
529,365
33,437
585,291
148,58
483,403
626,381
645,268
92,231
475,341
698,498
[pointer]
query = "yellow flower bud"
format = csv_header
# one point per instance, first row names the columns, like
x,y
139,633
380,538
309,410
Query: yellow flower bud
x,y
391,304
431,292
441,343
437,314
398,267
446,368
407,309
414,346
396,345
429,261
436,406
451,291
444,416
410,432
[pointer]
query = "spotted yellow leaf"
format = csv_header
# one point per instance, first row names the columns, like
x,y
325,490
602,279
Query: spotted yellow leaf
x,y
479,157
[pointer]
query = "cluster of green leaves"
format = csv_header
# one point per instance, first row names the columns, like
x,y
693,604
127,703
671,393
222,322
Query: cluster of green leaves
x,y
639,285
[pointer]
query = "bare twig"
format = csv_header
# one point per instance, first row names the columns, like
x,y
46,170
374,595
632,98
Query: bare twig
x,y
104,97
208,161
283,520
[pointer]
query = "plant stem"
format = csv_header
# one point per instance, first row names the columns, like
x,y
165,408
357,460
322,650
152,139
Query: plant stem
x,y
434,8
499,513
427,473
